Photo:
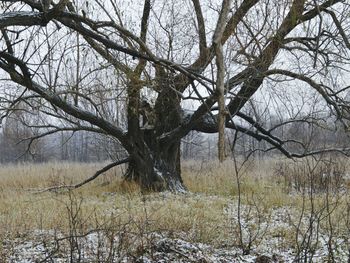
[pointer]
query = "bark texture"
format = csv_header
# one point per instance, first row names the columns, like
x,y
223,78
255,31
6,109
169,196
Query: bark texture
x,y
155,164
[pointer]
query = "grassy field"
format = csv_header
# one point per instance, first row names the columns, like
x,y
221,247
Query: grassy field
x,y
301,207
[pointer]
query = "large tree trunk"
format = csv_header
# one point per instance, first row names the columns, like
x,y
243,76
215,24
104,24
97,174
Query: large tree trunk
x,y
154,165
157,170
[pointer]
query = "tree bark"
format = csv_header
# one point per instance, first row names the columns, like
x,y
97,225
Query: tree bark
x,y
157,170
220,83
155,165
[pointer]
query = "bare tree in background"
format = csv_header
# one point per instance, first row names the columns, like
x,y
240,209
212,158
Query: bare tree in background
x,y
15,129
126,51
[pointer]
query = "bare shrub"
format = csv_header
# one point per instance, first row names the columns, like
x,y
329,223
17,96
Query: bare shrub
x,y
328,174
249,223
320,199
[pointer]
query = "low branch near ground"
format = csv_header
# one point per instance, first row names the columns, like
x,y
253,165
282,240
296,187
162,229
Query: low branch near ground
x,y
97,174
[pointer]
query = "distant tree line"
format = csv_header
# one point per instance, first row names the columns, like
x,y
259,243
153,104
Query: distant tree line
x,y
16,145
83,146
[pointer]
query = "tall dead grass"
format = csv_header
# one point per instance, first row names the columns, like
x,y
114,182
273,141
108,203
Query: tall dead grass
x,y
198,215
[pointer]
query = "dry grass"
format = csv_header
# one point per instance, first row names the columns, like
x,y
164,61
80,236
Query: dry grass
x,y
199,215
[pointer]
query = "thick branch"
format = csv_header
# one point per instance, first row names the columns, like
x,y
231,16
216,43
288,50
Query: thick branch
x,y
209,125
69,19
21,18
220,75
315,11
24,18
266,58
206,57
252,76
26,81
143,34
201,28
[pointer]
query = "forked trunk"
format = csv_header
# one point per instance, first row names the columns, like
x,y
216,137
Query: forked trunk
x,y
153,164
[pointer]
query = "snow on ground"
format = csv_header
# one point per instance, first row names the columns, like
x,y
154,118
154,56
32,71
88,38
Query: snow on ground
x,y
164,250
266,231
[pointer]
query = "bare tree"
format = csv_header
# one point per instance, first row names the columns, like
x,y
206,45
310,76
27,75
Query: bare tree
x,y
160,50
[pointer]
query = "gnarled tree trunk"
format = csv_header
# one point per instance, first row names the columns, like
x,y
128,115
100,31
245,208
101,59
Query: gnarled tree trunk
x,y
157,170
153,164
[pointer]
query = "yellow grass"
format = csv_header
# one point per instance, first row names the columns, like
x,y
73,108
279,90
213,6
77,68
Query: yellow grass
x,y
199,214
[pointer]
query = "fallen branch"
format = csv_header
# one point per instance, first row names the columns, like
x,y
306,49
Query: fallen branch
x,y
75,186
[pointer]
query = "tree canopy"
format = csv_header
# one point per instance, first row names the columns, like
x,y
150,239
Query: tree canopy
x,y
197,65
